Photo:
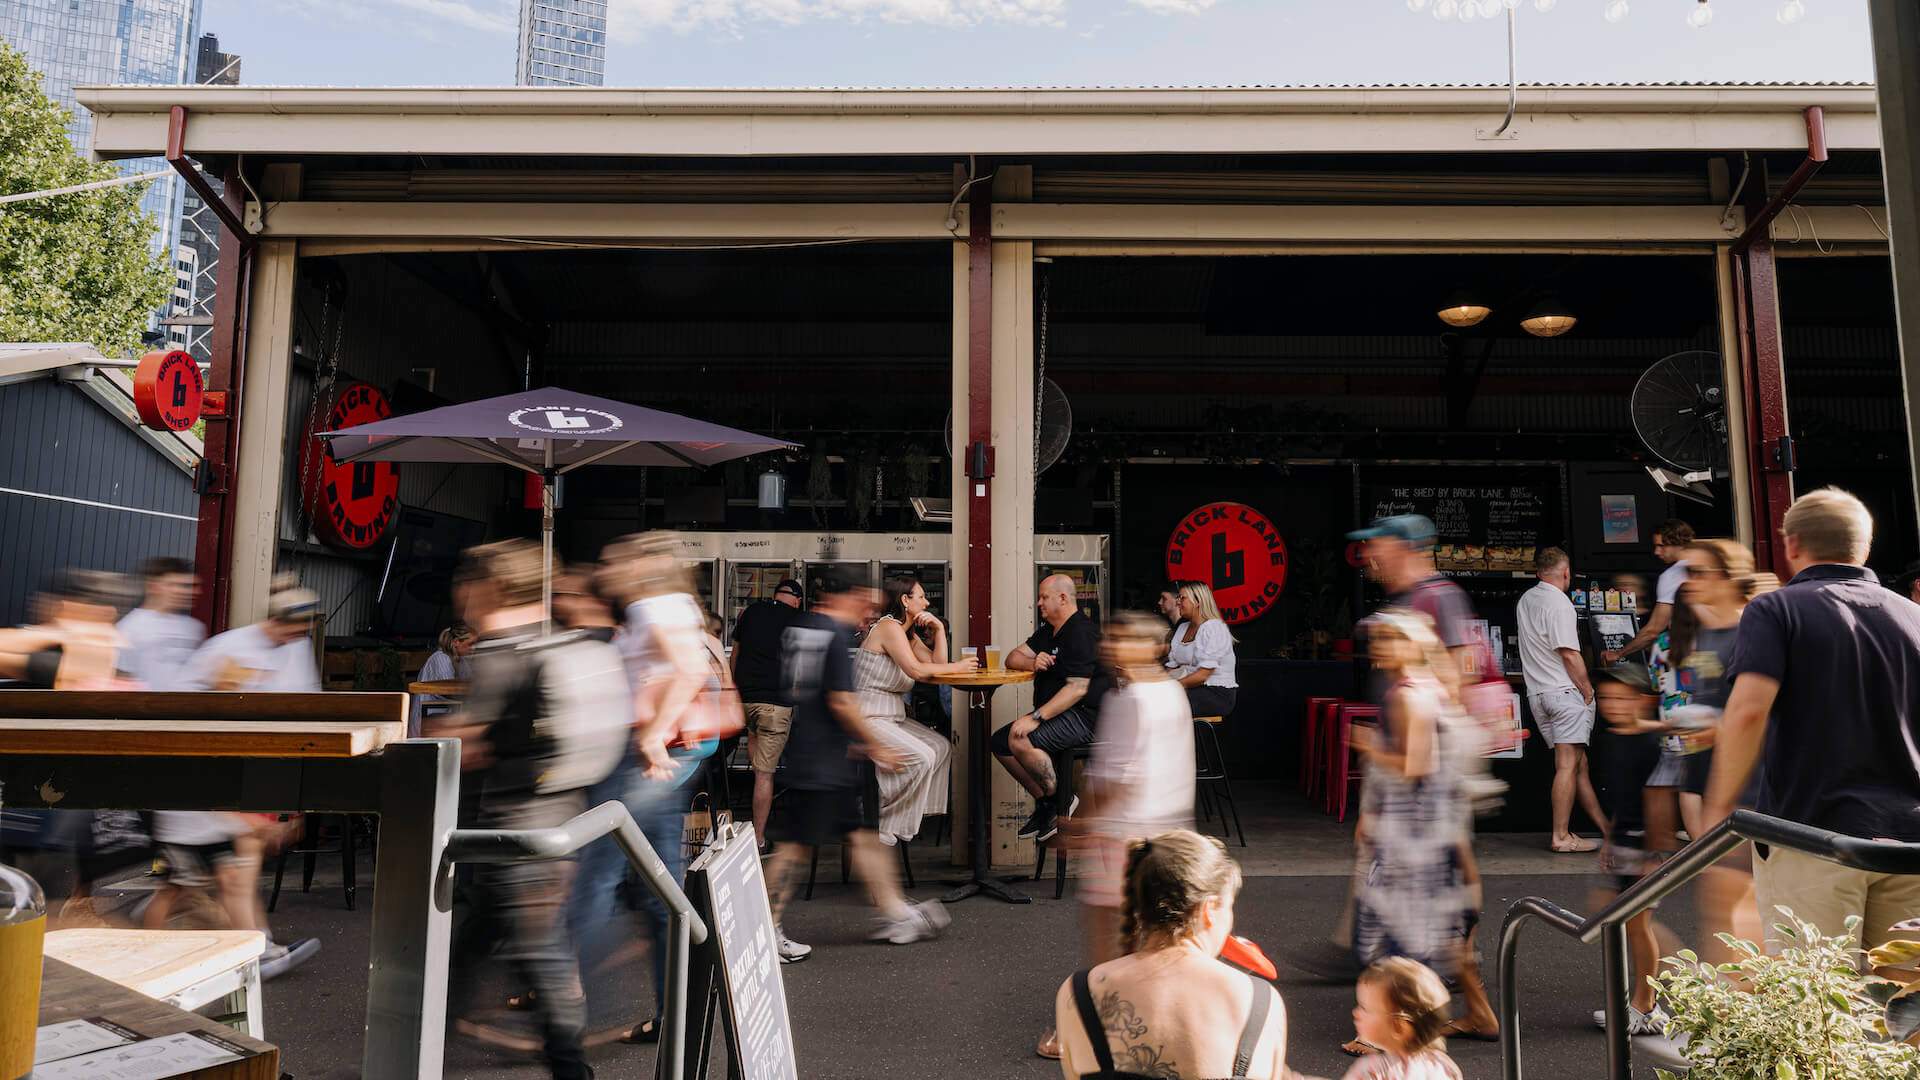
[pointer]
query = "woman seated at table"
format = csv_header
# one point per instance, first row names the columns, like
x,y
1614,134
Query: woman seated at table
x,y
1201,654
449,662
1169,1006
904,646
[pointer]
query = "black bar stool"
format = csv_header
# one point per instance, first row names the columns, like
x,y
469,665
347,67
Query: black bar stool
x,y
1063,763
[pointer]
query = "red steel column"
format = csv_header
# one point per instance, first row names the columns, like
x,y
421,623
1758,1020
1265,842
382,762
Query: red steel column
x,y
213,543
979,449
1765,383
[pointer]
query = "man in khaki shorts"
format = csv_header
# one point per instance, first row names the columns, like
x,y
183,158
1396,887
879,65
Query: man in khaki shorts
x,y
1826,704
758,659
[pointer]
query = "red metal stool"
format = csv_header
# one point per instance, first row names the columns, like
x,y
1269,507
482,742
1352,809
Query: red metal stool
x,y
1310,741
1340,767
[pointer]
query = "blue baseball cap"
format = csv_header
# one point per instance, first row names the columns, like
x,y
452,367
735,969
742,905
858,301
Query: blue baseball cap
x,y
1411,528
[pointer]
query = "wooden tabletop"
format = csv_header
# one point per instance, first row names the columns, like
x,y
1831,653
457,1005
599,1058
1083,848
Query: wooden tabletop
x,y
981,680
68,993
157,963
197,738
440,688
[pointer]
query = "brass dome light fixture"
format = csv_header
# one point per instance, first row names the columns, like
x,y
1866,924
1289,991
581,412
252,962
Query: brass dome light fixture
x,y
1549,318
1463,309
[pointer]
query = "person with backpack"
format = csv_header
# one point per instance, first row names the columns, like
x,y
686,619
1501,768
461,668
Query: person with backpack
x,y
546,718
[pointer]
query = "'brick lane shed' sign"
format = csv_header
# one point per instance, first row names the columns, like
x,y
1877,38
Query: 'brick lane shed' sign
x,y
1234,550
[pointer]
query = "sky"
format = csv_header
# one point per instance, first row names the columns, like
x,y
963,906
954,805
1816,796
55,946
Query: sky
x,y
759,43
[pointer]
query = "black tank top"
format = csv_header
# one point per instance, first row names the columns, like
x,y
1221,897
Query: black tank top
x,y
1103,1053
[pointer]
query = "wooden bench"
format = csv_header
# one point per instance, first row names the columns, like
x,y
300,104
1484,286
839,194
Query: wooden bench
x,y
149,724
188,969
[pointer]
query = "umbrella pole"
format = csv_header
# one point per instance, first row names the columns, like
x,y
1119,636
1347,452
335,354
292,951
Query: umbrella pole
x,y
546,542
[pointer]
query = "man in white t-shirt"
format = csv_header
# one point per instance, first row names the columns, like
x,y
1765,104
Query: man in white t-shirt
x,y
1670,541
205,849
159,634
1559,692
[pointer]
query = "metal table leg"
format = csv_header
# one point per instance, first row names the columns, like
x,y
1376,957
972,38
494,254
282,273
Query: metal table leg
x,y
980,879
407,960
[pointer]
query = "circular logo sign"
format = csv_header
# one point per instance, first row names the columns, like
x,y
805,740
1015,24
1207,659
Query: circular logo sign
x,y
352,505
564,420
1234,550
167,390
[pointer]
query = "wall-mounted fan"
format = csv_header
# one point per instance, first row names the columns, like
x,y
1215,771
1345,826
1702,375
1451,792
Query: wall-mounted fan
x,y
1054,414
1680,414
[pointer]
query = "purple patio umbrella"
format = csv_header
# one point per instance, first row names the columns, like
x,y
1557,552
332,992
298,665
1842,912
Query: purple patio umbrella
x,y
548,433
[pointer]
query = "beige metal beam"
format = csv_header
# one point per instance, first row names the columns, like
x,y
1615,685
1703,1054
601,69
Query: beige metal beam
x,y
1485,225
417,226
1012,495
957,568
132,121
604,224
1819,230
1067,249
1739,462
263,417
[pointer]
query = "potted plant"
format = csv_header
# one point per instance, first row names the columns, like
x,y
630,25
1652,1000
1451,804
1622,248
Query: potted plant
x,y
1802,1014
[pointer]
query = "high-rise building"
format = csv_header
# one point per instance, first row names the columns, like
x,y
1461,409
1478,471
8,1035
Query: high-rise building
x,y
562,43
188,318
96,42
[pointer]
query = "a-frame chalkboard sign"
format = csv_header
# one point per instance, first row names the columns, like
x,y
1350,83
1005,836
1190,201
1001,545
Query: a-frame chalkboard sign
x,y
734,975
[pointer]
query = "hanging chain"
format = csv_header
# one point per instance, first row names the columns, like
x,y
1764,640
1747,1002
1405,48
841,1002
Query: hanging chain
x,y
325,383
1040,374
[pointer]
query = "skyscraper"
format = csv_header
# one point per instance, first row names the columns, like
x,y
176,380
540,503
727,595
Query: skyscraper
x,y
562,43
188,318
90,42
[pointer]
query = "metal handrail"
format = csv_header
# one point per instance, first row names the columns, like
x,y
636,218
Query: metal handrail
x,y
1609,925
685,928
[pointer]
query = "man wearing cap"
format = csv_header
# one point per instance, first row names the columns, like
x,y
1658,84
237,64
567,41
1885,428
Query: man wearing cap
x,y
225,851
757,659
1399,556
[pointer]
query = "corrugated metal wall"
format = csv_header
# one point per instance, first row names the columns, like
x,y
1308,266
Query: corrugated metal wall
x,y
394,323
54,441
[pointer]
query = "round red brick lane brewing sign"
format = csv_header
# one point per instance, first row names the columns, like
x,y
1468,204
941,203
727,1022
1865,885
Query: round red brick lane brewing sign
x,y
352,505
167,390
1234,550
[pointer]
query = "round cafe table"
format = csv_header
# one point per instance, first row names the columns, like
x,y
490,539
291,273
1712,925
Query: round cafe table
x,y
979,687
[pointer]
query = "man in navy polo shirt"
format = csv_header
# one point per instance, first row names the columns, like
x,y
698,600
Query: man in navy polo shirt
x,y
1826,699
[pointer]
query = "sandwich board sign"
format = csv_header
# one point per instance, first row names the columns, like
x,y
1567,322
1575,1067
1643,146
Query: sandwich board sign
x,y
736,972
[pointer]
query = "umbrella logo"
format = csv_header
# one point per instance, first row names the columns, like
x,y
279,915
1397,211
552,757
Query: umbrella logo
x,y
564,420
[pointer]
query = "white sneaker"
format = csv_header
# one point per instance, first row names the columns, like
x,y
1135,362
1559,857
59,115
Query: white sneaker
x,y
279,959
1638,1023
923,922
791,951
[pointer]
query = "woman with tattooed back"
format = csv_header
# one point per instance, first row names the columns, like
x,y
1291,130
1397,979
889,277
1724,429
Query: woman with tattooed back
x,y
1169,1009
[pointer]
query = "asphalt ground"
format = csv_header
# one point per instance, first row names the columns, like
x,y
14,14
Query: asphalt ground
x,y
970,1004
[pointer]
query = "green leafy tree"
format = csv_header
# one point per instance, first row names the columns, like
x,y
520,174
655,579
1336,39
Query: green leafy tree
x,y
72,267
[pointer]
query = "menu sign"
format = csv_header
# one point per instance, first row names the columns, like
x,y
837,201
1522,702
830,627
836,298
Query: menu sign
x,y
725,886
1485,520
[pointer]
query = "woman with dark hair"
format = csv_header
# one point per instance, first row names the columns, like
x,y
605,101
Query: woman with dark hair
x,y
905,645
1167,1005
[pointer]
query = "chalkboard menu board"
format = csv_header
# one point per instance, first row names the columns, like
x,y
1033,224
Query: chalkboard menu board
x,y
725,887
1487,519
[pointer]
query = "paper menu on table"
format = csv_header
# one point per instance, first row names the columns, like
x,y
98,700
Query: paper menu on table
x,y
70,1038
153,1059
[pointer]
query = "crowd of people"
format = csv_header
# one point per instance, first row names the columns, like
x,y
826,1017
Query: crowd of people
x,y
1799,700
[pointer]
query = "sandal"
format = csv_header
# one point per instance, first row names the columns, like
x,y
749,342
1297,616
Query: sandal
x,y
1358,1048
647,1031
521,1002
493,1036
1049,1045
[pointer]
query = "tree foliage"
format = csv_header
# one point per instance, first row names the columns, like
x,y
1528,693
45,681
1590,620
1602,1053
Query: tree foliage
x,y
73,267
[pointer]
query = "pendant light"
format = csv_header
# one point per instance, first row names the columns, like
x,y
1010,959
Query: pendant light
x,y
1463,309
1549,318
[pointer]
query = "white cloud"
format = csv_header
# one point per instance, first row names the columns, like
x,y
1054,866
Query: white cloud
x,y
1173,7
631,19
491,16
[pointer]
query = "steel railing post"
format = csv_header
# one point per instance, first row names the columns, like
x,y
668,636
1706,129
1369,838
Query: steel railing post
x,y
1613,968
